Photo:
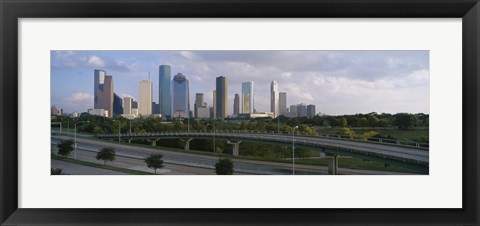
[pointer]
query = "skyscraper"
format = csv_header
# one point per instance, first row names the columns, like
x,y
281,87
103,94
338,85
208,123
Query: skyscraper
x,y
274,98
181,96
164,93
103,91
117,104
247,97
221,96
199,103
301,110
214,104
155,108
311,110
293,111
145,100
282,103
236,104
127,105
56,111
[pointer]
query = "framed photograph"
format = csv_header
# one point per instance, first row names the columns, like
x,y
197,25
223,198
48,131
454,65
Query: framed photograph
x,y
227,112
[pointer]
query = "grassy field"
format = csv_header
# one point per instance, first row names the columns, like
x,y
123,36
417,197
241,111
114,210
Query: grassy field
x,y
96,165
350,163
406,135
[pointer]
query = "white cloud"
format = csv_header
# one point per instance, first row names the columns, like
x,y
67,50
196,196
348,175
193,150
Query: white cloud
x,y
80,97
336,81
96,61
188,54
68,59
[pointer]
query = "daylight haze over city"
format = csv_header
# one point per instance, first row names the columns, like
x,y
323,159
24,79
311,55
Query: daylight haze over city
x,y
336,82
239,112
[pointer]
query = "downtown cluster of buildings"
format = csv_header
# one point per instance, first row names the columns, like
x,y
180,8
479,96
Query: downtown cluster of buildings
x,y
174,100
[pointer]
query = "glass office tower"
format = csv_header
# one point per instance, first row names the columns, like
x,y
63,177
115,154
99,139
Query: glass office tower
x,y
103,91
221,96
274,98
247,97
181,96
164,92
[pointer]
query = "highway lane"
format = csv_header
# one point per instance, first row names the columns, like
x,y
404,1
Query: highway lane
x,y
379,149
76,169
194,160
124,162
205,161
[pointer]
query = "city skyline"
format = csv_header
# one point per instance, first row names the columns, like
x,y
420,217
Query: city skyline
x,y
403,87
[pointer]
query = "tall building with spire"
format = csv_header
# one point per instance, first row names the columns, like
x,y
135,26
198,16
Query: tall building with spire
x,y
274,98
164,92
103,91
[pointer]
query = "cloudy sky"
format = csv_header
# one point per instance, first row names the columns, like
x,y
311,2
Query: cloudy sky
x,y
337,82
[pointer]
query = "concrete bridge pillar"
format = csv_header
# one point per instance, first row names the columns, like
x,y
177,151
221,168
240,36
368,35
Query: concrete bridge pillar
x,y
154,142
187,143
333,165
236,146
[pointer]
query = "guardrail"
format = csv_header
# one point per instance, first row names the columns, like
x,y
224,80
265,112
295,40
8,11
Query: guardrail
x,y
418,145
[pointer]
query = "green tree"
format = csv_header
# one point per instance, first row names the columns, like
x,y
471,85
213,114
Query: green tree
x,y
343,122
243,126
154,162
373,121
362,122
369,134
65,147
404,120
325,124
383,122
348,132
106,154
56,171
224,166
306,129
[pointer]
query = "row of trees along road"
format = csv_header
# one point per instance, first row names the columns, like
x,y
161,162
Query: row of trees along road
x,y
107,154
224,166
103,125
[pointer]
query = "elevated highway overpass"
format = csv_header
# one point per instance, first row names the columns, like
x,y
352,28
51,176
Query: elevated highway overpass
x,y
414,156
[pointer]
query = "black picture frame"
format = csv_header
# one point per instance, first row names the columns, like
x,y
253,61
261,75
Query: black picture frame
x,y
12,10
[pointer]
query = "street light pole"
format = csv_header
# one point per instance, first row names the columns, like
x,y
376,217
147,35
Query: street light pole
x,y
119,123
214,132
60,123
293,150
278,124
75,135
213,136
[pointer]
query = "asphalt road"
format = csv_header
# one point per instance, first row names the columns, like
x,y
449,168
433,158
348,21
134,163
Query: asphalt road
x,y
380,149
124,162
208,162
76,169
